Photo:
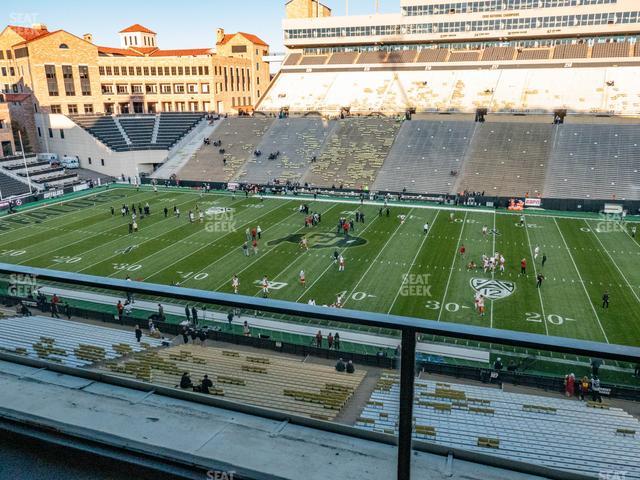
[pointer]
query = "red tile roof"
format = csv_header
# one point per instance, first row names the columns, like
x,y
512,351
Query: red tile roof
x,y
136,27
182,53
252,38
28,33
16,97
121,52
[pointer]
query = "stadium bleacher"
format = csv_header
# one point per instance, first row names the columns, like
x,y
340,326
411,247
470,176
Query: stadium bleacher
x,y
423,156
354,152
136,132
10,186
553,432
69,343
512,161
240,137
595,160
297,140
269,381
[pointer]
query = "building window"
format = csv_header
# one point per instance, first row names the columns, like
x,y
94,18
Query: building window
x,y
180,71
239,49
131,71
151,88
146,71
107,89
116,71
73,109
85,84
101,70
52,80
205,88
102,161
166,71
174,71
88,108
39,132
67,76
165,88
123,71
200,70
139,71
62,134
206,70
192,88
122,89
109,71
89,159
64,46
136,89
50,133
153,70
178,88
56,109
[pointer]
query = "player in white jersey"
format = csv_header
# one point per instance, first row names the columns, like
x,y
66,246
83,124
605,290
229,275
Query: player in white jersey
x,y
341,263
265,286
235,283
302,279
536,252
484,230
481,305
304,243
501,264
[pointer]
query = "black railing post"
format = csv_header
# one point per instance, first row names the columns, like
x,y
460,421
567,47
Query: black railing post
x,y
405,424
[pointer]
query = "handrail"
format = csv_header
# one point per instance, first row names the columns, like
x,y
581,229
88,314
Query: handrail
x,y
407,325
394,322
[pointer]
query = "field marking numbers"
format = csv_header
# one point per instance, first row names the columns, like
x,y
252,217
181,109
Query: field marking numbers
x,y
373,262
453,262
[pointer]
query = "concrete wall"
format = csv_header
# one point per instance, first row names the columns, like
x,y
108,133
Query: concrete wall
x,y
78,142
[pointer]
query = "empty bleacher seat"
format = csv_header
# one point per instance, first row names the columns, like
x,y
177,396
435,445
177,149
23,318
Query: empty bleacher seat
x,y
69,343
423,156
402,56
432,55
610,50
313,60
10,186
259,379
292,59
464,56
541,430
372,57
491,54
533,54
595,161
343,58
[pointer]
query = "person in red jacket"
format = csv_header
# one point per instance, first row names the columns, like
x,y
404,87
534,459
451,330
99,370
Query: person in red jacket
x,y
523,266
462,250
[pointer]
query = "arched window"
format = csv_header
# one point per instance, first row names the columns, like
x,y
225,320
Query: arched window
x,y
63,45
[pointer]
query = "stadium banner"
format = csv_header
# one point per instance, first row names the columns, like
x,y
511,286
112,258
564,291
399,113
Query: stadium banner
x,y
532,202
613,208
53,193
4,205
233,186
79,188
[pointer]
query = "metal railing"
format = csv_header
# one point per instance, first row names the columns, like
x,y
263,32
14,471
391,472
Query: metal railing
x,y
409,327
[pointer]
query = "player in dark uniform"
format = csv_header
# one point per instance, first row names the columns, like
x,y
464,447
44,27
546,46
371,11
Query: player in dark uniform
x,y
539,279
605,299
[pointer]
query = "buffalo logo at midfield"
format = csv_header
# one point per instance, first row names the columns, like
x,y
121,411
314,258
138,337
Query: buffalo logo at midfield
x,y
321,240
493,289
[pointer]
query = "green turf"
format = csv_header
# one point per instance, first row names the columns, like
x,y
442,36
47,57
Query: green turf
x,y
391,267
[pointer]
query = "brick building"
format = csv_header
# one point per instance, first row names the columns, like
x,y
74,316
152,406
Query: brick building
x,y
71,75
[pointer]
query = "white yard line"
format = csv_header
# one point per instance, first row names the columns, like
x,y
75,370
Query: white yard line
x,y
132,237
373,262
453,262
613,261
63,215
332,264
433,222
535,272
493,271
266,252
209,245
584,287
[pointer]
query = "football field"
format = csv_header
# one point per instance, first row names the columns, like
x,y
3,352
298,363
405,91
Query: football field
x,y
391,266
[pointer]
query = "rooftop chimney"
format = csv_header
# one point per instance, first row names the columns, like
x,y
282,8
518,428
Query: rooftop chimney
x,y
219,35
39,26
88,37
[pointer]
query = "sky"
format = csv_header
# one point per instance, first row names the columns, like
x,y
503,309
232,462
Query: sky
x,y
177,24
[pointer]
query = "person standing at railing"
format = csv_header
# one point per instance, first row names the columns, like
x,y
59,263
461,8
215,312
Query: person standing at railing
x,y
138,333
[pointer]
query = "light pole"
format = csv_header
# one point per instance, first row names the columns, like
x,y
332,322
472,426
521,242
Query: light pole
x,y
24,159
